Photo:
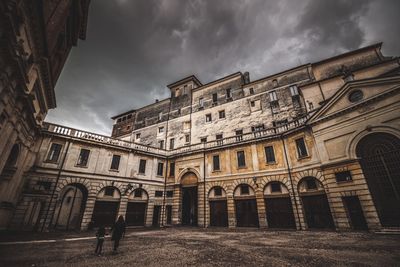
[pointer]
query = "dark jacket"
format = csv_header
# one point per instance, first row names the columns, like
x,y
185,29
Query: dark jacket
x,y
118,230
101,232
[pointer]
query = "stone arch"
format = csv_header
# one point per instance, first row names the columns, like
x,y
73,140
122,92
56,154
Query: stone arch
x,y
73,180
357,136
117,185
188,170
317,174
145,187
275,178
248,181
210,185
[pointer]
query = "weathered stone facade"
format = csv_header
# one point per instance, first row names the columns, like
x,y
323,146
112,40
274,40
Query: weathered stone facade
x,y
291,150
35,40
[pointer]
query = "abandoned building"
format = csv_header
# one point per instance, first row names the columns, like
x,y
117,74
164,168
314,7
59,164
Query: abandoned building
x,y
313,147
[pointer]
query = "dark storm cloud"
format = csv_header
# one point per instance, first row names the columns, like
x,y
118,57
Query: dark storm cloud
x,y
135,48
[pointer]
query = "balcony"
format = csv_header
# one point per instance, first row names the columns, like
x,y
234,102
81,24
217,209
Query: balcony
x,y
228,141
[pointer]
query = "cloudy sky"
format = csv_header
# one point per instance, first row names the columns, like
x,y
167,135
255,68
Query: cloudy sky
x,y
134,48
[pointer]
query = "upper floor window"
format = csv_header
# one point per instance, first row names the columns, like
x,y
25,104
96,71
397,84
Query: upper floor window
x,y
54,152
160,116
201,102
208,117
83,157
221,114
275,83
170,193
276,187
244,189
172,169
185,91
203,139
161,144
251,91
343,176
219,137
142,166
294,90
241,159
273,96
301,148
161,129
115,162
356,96
269,154
252,104
215,98
137,136
171,143
187,138
216,163
160,169
239,135
228,93
158,193
109,191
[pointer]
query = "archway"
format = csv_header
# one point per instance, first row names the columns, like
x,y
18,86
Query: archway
x,y
136,210
106,207
379,155
245,206
315,204
218,207
72,206
189,199
278,206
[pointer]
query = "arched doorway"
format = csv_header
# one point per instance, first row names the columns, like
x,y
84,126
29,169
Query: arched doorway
x,y
72,206
106,207
189,199
315,204
245,206
136,210
379,155
218,207
278,206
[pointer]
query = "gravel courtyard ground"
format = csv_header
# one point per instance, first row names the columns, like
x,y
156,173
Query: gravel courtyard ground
x,y
214,247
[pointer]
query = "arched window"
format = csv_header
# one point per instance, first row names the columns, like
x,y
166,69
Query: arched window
x,y
13,156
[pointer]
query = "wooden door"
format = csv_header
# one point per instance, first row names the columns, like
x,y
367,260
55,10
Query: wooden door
x,y
156,216
280,213
317,212
105,213
246,213
218,213
169,214
355,213
136,213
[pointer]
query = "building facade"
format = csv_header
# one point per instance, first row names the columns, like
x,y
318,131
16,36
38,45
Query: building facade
x,y
35,40
313,147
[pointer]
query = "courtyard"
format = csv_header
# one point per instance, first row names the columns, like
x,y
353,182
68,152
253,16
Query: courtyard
x,y
209,247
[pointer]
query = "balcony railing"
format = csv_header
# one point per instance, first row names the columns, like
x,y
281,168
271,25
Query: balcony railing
x,y
264,133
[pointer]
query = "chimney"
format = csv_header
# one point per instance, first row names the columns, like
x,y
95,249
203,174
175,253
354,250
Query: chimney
x,y
246,77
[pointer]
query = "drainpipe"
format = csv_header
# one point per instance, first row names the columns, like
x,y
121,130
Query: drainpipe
x,y
54,189
204,201
291,181
166,167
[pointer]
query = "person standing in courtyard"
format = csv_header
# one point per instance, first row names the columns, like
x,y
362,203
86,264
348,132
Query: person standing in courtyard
x,y
118,231
100,234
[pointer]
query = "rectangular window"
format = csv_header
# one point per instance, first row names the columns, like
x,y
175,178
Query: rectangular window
x,y
276,187
170,193
161,129
115,162
294,90
158,194
344,176
252,104
186,125
160,116
54,152
138,193
311,184
83,157
244,189
251,91
216,163
219,137
161,144
203,140
142,166
171,143
201,102
208,117
272,96
109,191
228,93
137,136
301,148
187,138
217,191
241,159
185,89
214,98
221,114
160,169
239,135
172,169
269,154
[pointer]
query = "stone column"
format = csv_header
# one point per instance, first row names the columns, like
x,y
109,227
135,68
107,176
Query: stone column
x,y
262,218
176,205
87,214
123,205
231,212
